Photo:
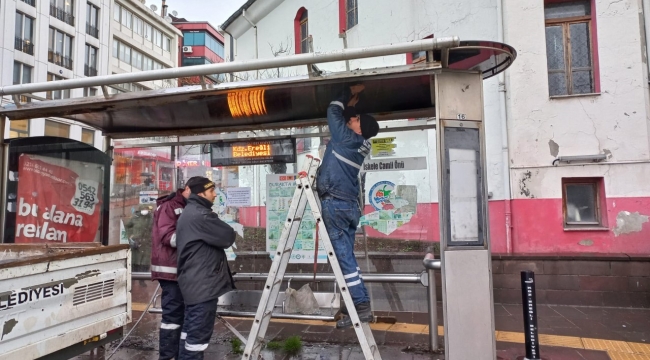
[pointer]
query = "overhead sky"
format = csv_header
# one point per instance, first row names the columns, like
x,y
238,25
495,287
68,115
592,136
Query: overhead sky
x,y
214,11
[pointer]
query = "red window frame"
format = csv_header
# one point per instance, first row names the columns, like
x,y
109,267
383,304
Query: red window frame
x,y
296,29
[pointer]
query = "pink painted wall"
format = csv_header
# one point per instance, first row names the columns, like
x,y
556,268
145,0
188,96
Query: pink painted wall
x,y
537,227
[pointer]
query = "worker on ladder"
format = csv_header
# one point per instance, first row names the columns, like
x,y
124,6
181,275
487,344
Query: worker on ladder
x,y
338,189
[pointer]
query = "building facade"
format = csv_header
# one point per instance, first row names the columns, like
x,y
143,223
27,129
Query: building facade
x,y
566,126
142,39
49,40
202,44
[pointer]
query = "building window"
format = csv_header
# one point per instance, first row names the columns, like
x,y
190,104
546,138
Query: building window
x,y
202,38
22,73
90,92
88,136
18,128
133,57
138,27
57,94
117,9
570,48
136,59
92,15
127,18
301,31
53,128
30,2
90,66
581,200
60,49
63,10
148,31
352,13
147,63
166,43
348,14
24,34
158,38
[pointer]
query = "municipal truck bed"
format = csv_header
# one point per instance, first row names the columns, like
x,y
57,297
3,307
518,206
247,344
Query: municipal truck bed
x,y
83,291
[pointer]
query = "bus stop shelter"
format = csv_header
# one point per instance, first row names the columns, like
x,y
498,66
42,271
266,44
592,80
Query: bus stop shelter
x,y
445,93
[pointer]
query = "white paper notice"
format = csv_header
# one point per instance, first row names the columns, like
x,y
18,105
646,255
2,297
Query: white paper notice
x,y
86,196
239,196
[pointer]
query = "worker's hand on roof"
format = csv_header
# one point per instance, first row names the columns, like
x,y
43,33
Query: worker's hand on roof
x,y
353,100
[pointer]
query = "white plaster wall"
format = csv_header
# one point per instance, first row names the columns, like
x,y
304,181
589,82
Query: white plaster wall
x,y
380,22
615,122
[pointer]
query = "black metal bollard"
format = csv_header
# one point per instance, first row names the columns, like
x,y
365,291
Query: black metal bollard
x,y
530,314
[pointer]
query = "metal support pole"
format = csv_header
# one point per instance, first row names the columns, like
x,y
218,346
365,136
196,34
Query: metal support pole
x,y
430,264
530,314
235,66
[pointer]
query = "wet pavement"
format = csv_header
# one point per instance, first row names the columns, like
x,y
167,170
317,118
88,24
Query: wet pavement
x,y
567,333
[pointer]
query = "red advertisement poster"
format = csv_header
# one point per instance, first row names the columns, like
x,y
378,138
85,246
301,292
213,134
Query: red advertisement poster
x,y
57,203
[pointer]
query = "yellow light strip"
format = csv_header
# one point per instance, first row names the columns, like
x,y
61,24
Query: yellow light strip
x,y
247,103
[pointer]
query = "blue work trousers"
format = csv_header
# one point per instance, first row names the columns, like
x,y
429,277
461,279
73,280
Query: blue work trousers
x,y
341,220
173,308
199,325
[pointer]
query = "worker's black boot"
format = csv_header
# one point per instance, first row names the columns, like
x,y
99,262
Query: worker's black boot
x,y
364,312
169,344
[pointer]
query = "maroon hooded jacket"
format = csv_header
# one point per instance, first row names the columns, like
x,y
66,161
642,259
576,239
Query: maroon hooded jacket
x,y
163,247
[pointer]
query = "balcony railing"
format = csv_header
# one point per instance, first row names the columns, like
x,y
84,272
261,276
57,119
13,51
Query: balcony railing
x,y
62,15
90,71
58,59
23,45
92,31
30,2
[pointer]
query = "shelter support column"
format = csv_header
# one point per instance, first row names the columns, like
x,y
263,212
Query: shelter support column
x,y
464,233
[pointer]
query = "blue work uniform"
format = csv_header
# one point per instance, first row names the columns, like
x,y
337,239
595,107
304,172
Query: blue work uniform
x,y
338,188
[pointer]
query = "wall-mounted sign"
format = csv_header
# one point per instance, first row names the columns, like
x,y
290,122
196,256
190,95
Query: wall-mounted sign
x,y
278,151
395,164
383,146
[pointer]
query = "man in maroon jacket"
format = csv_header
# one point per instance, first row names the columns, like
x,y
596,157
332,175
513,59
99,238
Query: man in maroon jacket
x,y
163,268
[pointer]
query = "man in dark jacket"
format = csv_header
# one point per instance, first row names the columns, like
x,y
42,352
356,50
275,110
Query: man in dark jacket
x,y
203,272
338,189
163,269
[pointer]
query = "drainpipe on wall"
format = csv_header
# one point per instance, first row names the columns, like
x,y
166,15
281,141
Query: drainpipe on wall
x,y
232,51
505,149
243,14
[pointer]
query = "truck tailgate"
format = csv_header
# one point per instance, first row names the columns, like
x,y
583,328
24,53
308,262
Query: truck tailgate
x,y
61,297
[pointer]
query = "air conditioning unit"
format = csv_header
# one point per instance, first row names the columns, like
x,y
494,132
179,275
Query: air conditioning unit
x,y
187,49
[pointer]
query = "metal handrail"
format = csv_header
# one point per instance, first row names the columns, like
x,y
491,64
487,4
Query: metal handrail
x,y
23,45
236,66
92,31
414,278
90,71
62,15
58,59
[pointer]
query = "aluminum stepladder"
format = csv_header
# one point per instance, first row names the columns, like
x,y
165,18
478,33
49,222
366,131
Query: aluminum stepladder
x,y
303,195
